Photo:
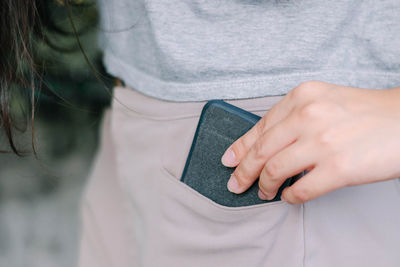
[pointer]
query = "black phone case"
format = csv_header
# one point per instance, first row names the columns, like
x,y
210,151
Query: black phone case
x,y
220,124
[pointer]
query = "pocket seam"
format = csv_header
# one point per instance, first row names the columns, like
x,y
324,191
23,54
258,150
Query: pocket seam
x,y
204,199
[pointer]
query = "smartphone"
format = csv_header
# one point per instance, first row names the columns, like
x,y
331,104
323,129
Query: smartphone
x,y
220,124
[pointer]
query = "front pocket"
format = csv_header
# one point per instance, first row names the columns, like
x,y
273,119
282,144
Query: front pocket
x,y
199,232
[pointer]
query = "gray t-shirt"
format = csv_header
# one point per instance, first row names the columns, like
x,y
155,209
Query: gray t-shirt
x,y
185,50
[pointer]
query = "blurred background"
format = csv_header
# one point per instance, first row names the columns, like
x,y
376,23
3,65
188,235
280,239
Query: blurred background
x,y
39,195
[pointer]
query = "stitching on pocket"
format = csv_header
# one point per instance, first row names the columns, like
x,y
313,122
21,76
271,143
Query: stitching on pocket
x,y
263,231
201,197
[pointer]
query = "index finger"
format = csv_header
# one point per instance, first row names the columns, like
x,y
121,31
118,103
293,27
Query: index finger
x,y
271,142
238,150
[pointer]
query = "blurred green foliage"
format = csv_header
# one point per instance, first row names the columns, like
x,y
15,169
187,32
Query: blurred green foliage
x,y
72,88
68,77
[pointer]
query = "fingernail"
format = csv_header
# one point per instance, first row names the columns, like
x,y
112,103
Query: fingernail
x,y
229,158
265,196
262,196
233,184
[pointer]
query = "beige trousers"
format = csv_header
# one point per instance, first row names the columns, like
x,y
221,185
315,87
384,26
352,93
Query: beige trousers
x,y
136,212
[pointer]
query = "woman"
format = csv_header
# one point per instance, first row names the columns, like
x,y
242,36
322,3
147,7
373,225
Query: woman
x,y
173,56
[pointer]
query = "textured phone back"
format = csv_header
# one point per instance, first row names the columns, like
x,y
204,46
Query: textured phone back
x,y
219,126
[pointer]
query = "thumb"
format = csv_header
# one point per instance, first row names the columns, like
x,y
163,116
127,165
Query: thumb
x,y
314,184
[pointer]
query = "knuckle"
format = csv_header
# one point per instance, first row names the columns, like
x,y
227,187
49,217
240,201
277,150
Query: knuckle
x,y
306,85
297,92
310,111
340,165
304,88
312,84
327,139
241,176
260,127
307,89
271,170
259,150
270,179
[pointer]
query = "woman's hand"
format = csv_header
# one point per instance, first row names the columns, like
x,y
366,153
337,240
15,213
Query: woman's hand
x,y
343,136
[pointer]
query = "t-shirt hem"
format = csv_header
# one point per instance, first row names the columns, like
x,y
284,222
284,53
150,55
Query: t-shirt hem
x,y
239,88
